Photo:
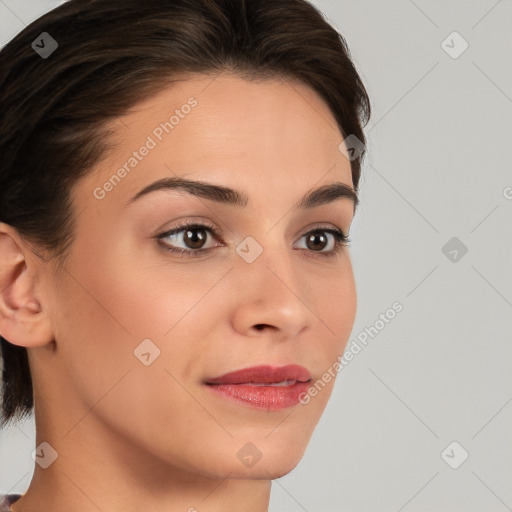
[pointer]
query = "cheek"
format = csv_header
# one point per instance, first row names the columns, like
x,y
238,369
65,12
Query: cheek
x,y
99,327
111,302
152,292
336,310
337,307
127,291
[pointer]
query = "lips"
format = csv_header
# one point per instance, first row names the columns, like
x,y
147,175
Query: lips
x,y
264,375
268,388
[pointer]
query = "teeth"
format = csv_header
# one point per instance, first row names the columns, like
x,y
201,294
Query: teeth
x,y
282,383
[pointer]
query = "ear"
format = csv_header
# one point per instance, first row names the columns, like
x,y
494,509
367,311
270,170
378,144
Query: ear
x,y
23,319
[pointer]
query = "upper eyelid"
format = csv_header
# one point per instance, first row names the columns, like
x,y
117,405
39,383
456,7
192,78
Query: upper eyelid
x,y
192,225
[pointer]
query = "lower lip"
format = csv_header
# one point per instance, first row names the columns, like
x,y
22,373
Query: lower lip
x,y
263,397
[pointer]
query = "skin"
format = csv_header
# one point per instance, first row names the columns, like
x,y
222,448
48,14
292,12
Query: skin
x,y
131,437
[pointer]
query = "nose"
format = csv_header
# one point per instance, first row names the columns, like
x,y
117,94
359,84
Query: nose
x,y
272,295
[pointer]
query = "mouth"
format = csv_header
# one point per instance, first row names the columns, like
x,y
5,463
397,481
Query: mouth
x,y
275,384
264,374
264,387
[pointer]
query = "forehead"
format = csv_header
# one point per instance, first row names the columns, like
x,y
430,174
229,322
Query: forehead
x,y
257,136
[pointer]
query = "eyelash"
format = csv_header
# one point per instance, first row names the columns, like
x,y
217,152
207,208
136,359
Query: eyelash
x,y
340,239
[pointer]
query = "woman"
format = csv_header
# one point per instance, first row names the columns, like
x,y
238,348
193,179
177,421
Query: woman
x,y
177,185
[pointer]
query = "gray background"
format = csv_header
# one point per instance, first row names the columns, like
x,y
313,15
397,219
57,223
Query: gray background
x,y
438,167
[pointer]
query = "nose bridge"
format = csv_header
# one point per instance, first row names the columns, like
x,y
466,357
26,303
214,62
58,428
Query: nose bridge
x,y
265,255
271,277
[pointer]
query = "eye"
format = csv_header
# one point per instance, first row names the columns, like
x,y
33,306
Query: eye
x,y
316,241
193,235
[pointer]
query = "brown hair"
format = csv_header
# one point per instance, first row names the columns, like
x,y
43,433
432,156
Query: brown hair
x,y
111,54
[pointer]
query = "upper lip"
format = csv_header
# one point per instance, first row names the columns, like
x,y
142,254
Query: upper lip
x,y
263,374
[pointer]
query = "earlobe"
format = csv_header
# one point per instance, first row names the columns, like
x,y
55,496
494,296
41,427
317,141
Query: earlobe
x,y
23,320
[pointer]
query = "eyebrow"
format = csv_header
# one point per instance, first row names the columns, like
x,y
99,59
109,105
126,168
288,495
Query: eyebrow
x,y
224,195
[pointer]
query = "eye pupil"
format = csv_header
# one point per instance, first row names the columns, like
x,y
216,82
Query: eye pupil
x,y
197,240
314,237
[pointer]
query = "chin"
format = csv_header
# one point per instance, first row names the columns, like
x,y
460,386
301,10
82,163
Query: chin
x,y
276,470
269,470
258,460
277,459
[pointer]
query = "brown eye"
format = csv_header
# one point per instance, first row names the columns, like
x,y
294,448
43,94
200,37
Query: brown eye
x,y
316,241
194,238
324,242
188,238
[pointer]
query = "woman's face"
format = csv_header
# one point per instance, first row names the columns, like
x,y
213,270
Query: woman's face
x,y
140,329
